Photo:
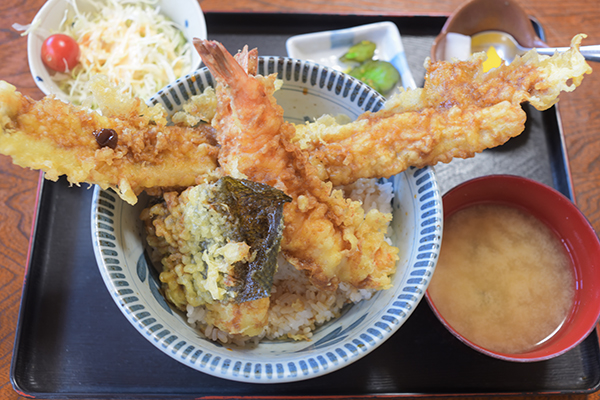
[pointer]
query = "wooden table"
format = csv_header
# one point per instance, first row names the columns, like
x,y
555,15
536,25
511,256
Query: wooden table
x,y
580,112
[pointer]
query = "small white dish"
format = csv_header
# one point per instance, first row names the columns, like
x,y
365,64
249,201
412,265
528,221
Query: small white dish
x,y
327,47
185,13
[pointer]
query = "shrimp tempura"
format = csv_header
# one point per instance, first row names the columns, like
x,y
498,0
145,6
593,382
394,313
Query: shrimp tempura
x,y
330,237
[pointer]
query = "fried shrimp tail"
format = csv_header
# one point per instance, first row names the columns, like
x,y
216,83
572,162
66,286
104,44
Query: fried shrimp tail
x,y
459,112
145,153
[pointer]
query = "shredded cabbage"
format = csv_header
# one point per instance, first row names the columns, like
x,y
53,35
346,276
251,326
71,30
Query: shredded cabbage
x,y
129,41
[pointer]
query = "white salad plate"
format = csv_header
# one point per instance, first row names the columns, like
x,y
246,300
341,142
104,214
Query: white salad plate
x,y
309,90
186,14
327,47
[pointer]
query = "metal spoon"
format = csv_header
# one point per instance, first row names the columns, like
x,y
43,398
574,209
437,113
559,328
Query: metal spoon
x,y
507,47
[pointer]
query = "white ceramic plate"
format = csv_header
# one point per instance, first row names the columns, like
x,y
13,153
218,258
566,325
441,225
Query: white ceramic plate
x,y
327,47
117,235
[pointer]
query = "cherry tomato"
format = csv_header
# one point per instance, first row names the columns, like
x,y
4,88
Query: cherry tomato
x,y
60,52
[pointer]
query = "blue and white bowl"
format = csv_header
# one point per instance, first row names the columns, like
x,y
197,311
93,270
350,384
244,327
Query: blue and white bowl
x,y
309,90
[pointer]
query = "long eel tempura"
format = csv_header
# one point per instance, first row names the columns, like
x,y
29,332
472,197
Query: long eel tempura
x,y
460,111
59,139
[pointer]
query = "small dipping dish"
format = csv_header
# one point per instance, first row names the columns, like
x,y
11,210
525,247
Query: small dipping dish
x,y
476,16
575,239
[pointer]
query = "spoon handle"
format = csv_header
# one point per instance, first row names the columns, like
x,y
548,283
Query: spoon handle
x,y
590,53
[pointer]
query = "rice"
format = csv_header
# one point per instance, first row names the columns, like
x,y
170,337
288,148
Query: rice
x,y
374,195
296,306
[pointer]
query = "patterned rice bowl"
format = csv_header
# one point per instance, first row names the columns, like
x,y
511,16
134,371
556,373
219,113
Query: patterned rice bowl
x,y
309,90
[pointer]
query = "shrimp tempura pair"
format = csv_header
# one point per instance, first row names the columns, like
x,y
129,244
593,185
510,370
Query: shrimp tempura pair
x,y
460,111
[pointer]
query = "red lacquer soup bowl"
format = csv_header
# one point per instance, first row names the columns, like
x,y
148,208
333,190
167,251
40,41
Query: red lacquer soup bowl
x,y
573,231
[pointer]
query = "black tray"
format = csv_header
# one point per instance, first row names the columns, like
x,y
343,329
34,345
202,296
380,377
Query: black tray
x,y
72,341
